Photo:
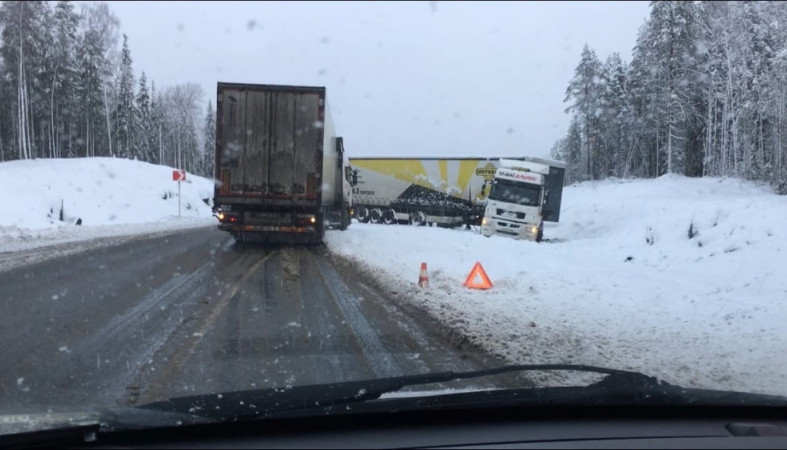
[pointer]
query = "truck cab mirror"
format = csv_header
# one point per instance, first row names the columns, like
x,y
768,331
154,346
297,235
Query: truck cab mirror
x,y
351,175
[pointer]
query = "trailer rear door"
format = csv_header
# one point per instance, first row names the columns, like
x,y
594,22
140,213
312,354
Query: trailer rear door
x,y
269,143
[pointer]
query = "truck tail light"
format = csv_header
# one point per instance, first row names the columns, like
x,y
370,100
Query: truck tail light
x,y
225,217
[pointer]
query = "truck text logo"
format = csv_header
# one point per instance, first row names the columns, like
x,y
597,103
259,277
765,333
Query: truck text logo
x,y
358,191
487,172
520,176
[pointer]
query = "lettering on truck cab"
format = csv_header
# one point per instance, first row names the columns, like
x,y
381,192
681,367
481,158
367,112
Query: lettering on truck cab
x,y
520,176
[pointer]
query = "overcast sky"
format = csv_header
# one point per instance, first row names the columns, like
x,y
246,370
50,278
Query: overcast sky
x,y
402,79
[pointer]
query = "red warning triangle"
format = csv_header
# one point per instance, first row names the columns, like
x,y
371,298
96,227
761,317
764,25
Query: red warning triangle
x,y
477,271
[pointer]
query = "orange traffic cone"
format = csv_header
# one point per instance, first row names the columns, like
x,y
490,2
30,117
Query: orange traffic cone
x,y
423,279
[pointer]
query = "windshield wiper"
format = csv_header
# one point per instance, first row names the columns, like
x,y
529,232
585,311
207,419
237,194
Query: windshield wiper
x,y
617,388
239,405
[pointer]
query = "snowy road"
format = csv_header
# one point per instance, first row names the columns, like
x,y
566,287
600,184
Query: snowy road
x,y
192,313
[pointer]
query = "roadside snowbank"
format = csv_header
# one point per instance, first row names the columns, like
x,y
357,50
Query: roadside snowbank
x,y
620,284
45,198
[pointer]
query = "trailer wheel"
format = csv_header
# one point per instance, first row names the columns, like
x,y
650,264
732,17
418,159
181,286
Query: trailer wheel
x,y
389,216
375,215
418,218
363,214
344,221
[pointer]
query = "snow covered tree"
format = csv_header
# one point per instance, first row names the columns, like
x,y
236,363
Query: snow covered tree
x,y
665,59
124,109
209,147
157,125
21,51
181,114
614,123
705,94
67,90
63,99
97,55
584,94
143,138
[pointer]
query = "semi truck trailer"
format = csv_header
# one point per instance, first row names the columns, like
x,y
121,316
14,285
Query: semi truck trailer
x,y
442,191
281,171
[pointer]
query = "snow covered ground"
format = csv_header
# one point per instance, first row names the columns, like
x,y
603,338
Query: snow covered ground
x,y
620,284
112,197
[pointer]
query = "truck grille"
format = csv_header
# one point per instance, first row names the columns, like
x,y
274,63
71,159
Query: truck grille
x,y
510,214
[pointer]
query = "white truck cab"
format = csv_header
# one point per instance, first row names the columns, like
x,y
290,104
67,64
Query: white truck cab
x,y
520,191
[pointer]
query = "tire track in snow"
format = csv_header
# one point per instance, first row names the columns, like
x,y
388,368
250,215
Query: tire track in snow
x,y
148,325
375,352
177,360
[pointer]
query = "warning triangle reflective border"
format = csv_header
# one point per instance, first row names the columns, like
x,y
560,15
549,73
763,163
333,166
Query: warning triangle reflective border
x,y
477,271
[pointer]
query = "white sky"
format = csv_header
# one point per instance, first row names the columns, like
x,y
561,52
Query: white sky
x,y
403,79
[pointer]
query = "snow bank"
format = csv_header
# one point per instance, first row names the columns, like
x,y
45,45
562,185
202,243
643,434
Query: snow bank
x,y
619,284
44,198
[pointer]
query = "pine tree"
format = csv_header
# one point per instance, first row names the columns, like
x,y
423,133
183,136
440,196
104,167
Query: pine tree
x,y
615,118
124,110
584,93
63,103
142,131
665,60
90,90
209,148
96,53
158,125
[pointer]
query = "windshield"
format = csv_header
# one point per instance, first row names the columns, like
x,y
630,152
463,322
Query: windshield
x,y
209,197
515,192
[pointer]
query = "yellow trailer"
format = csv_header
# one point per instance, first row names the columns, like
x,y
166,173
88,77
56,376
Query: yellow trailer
x,y
441,191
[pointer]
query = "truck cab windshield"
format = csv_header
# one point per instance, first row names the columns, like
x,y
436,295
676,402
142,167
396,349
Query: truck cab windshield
x,y
515,192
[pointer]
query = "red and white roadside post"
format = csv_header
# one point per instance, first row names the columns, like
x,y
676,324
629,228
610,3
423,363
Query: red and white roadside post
x,y
178,175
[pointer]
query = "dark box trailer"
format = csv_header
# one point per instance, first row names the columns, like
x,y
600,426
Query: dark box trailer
x,y
280,168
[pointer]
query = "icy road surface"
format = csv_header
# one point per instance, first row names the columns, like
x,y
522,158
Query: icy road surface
x,y
620,284
193,313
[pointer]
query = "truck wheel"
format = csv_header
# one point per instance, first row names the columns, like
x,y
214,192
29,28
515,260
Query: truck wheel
x,y
345,220
375,215
418,218
319,232
363,214
389,216
540,234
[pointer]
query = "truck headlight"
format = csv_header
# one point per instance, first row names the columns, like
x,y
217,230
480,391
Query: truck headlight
x,y
484,221
534,230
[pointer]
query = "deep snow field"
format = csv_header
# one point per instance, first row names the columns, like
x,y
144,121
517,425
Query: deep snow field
x,y
618,283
